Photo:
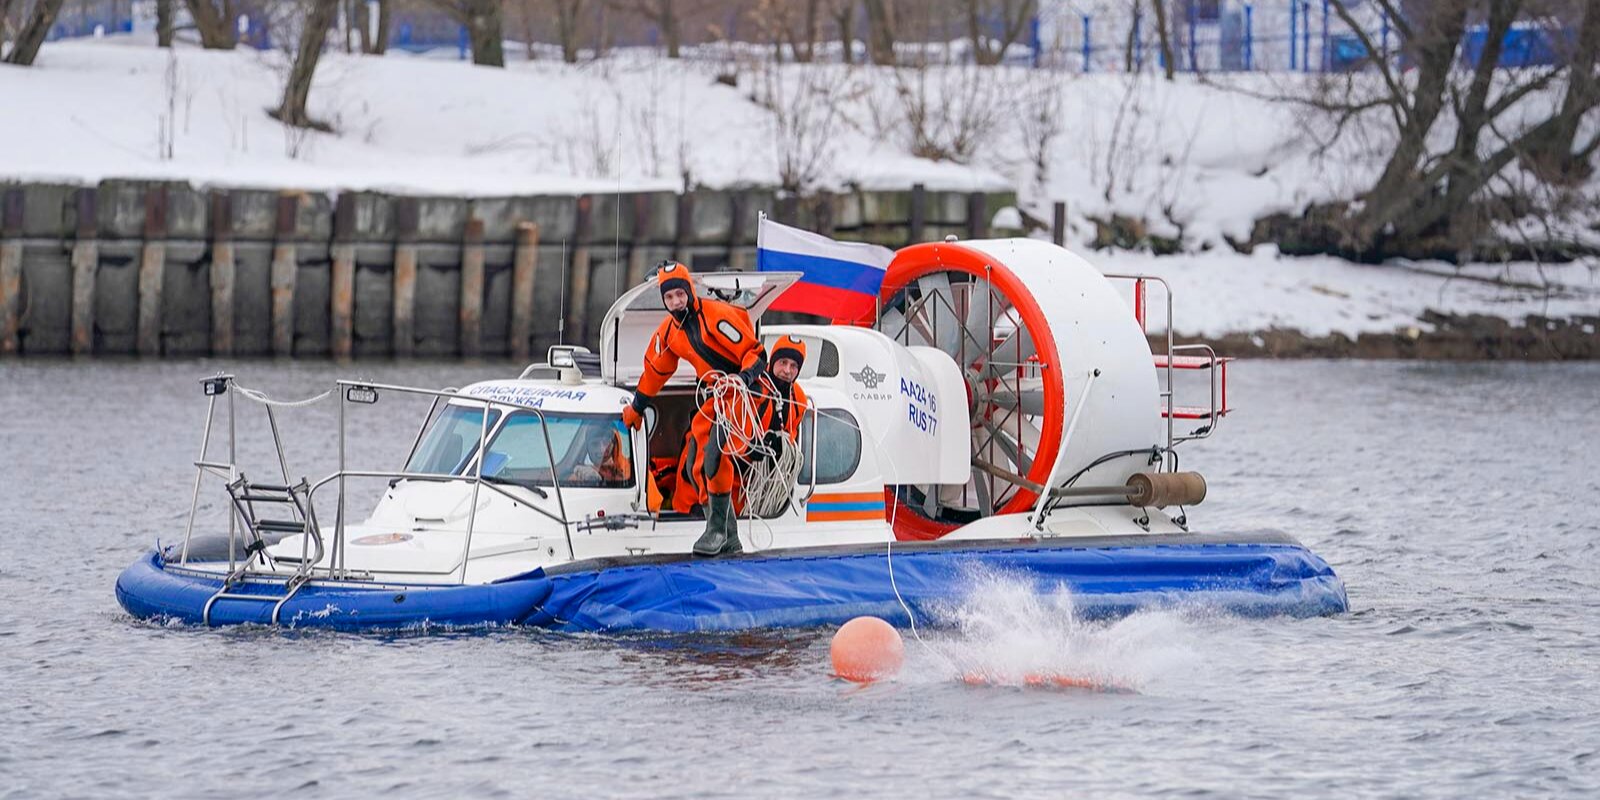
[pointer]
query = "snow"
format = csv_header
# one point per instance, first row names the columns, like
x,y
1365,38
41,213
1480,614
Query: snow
x,y
1219,293
95,109
1193,157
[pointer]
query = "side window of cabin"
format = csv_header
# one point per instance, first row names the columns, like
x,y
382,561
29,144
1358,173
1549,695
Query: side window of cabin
x,y
838,449
828,361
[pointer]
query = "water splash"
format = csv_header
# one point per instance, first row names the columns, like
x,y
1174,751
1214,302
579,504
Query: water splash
x,y
1005,632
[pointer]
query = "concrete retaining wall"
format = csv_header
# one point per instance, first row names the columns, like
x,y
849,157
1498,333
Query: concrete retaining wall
x,y
167,269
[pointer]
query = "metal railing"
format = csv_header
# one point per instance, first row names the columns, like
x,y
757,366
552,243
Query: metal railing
x,y
1140,303
337,567
1141,300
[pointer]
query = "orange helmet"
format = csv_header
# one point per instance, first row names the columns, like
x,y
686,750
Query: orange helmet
x,y
789,347
672,275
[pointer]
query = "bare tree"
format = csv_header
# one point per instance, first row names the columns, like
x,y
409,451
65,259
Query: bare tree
x,y
1554,153
805,101
1164,37
216,26
1452,131
947,113
1013,16
374,38
843,13
881,19
664,15
569,16
297,89
485,22
790,26
1039,122
164,23
380,39
28,41
6,29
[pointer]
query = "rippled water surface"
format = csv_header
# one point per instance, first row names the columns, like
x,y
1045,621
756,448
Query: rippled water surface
x,y
1457,502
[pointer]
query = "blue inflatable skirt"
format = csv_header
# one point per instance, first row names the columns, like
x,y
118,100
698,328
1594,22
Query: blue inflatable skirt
x,y
1255,575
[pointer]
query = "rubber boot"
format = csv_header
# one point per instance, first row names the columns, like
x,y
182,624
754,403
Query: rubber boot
x,y
730,545
719,513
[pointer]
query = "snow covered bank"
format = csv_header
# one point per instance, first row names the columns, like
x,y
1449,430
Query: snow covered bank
x,y
1183,154
1216,294
1189,158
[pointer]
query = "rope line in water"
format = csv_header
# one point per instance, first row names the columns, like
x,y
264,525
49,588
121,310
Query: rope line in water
x,y
729,394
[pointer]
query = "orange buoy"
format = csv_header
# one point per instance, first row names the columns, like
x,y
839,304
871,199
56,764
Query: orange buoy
x,y
866,649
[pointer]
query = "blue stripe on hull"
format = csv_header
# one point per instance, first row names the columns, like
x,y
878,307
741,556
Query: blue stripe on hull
x,y
681,595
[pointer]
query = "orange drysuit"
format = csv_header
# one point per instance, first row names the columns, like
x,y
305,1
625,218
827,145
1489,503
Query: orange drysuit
x,y
710,334
778,407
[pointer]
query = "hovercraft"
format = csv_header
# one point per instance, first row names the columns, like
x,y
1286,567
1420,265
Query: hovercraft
x,y
1002,415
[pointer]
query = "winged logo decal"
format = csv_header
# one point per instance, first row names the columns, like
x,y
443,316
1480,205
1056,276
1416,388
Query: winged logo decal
x,y
869,377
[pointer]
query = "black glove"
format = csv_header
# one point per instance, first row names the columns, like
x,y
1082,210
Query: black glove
x,y
774,442
752,376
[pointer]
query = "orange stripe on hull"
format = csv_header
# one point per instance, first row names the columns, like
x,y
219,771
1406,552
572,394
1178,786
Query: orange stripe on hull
x,y
843,516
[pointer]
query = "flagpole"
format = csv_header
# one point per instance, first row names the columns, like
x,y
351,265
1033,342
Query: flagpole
x,y
761,226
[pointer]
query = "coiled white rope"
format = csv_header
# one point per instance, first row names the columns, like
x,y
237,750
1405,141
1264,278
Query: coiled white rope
x,y
771,472
262,398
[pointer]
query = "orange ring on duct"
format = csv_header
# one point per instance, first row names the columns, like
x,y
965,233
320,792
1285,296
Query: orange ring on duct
x,y
913,262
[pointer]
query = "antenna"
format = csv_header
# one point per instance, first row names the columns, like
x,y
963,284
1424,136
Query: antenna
x,y
616,237
561,323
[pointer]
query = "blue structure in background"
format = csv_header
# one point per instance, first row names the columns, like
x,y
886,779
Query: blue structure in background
x,y
1523,46
1210,34
92,19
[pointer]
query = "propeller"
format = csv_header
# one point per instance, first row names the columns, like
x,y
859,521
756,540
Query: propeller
x,y
978,324
938,312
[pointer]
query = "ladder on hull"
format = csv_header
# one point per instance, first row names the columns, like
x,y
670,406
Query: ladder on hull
x,y
260,533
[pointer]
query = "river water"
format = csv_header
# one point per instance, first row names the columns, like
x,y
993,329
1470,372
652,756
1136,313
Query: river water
x,y
1456,501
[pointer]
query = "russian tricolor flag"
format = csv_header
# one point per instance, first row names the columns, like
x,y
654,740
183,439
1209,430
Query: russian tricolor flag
x,y
841,279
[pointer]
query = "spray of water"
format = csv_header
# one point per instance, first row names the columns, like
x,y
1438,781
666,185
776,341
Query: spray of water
x,y
1006,632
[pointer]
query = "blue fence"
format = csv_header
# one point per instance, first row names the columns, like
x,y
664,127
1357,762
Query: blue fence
x,y
1203,35
1269,35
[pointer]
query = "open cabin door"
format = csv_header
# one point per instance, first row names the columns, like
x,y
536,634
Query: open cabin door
x,y
630,321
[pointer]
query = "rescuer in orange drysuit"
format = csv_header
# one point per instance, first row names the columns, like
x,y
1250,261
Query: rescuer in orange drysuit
x,y
711,335
705,470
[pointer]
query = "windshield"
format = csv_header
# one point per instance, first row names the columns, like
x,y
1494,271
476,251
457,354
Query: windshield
x,y
451,441
591,451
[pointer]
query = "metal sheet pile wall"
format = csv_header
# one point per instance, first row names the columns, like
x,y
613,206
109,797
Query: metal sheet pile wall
x,y
169,269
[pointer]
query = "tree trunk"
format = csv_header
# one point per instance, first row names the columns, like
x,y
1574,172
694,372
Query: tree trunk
x,y
525,16
845,18
486,31
363,26
380,43
806,52
216,28
880,32
292,111
347,25
980,49
567,12
1398,188
163,23
26,46
668,20
1551,156
1129,60
1165,38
